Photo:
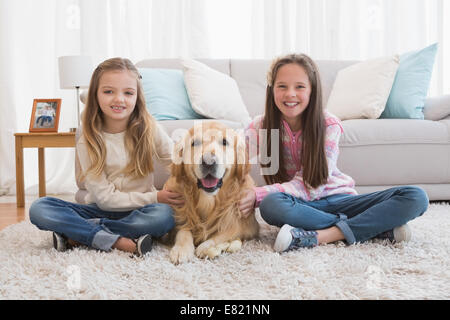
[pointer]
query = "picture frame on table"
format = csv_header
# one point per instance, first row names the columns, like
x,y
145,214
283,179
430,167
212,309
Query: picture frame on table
x,y
45,115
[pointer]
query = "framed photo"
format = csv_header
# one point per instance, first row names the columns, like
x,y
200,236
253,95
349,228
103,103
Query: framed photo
x,y
45,115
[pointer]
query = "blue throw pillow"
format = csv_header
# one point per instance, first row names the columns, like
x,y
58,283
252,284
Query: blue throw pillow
x,y
165,94
411,83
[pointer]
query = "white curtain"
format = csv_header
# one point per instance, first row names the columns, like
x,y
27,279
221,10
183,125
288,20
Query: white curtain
x,y
33,33
331,29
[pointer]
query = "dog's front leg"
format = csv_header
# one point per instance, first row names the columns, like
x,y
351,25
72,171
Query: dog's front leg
x,y
183,250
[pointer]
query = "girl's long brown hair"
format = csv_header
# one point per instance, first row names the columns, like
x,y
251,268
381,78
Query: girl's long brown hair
x,y
313,157
139,133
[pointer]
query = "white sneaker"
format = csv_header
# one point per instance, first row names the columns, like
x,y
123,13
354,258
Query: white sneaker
x,y
398,234
290,238
402,233
284,238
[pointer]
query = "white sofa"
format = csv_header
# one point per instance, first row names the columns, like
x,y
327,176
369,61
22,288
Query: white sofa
x,y
378,153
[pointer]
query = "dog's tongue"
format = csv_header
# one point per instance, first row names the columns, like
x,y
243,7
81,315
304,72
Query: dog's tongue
x,y
209,181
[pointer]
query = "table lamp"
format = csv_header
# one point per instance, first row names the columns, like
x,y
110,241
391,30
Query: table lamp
x,y
75,72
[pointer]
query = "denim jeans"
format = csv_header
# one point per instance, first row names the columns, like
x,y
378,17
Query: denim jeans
x,y
359,217
96,228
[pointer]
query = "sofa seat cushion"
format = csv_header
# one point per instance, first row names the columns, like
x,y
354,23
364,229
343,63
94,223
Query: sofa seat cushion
x,y
394,151
393,131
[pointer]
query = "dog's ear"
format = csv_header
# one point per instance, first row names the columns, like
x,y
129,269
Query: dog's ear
x,y
177,167
242,163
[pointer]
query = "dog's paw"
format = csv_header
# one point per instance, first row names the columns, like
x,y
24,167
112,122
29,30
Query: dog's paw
x,y
215,251
223,246
202,249
180,254
234,246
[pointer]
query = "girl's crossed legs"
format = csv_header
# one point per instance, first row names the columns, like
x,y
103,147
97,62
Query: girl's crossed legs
x,y
97,228
355,218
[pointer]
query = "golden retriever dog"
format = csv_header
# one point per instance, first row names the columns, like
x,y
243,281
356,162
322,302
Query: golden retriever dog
x,y
211,171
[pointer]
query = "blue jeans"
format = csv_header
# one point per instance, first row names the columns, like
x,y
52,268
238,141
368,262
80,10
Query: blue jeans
x,y
93,227
359,217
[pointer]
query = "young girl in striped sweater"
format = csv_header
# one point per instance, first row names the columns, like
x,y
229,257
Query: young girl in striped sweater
x,y
309,197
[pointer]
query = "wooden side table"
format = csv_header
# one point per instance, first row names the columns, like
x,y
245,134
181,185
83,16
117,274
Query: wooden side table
x,y
41,141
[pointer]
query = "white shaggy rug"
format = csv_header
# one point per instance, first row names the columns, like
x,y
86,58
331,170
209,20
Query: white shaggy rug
x,y
31,269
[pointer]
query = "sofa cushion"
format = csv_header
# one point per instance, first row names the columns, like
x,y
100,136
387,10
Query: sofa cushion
x,y
407,97
213,94
395,151
437,108
360,91
165,94
328,70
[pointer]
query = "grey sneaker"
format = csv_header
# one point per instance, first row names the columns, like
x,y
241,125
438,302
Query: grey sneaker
x,y
60,242
290,238
398,234
144,245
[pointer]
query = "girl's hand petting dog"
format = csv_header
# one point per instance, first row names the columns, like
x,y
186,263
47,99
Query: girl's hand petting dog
x,y
247,203
169,197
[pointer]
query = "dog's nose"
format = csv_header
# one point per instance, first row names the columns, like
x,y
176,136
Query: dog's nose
x,y
208,161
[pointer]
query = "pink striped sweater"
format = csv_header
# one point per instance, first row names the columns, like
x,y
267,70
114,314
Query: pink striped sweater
x,y
337,183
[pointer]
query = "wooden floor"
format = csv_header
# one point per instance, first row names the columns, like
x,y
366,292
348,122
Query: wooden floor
x,y
10,214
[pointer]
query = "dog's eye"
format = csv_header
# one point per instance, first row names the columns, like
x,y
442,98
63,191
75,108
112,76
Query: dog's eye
x,y
224,142
196,142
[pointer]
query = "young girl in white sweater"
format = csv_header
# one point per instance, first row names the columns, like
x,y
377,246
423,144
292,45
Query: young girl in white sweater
x,y
121,209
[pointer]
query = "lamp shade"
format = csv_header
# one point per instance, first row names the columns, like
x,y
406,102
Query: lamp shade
x,y
74,71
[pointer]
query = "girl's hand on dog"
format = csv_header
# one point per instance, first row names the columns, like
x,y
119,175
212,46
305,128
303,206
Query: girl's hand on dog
x,y
247,203
169,197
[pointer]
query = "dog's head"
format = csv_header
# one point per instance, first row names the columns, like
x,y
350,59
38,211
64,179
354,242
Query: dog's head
x,y
208,155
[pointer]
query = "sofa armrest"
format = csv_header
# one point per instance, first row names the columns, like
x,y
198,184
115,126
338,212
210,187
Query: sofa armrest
x,y
437,108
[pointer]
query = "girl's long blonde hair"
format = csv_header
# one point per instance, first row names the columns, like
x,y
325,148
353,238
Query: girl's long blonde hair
x,y
313,157
139,133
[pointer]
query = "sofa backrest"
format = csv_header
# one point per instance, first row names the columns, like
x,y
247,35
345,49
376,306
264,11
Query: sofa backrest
x,y
251,75
222,65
